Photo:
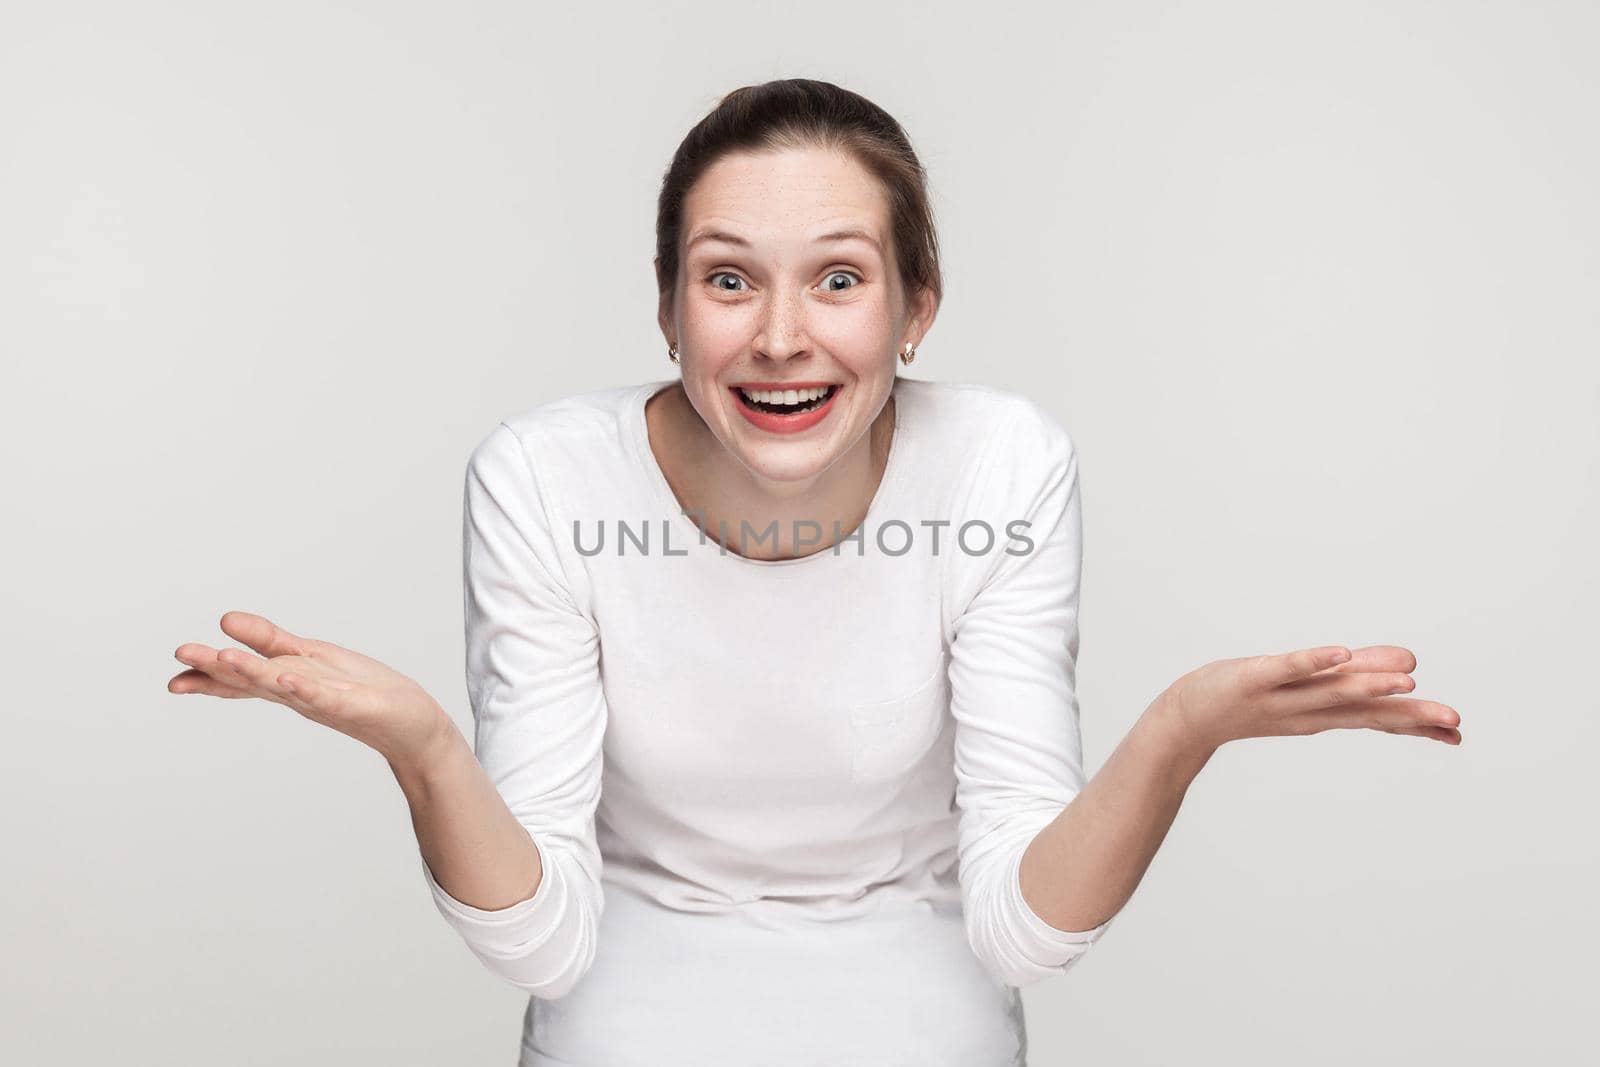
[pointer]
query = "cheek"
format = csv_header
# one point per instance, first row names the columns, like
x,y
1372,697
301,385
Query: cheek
x,y
710,322
860,330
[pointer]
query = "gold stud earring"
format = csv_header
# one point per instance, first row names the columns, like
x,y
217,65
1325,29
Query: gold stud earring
x,y
909,354
672,353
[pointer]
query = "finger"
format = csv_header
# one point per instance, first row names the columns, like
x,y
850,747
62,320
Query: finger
x,y
200,657
263,635
1449,736
193,681
321,699
1378,658
211,662
1330,689
1388,713
1274,671
261,674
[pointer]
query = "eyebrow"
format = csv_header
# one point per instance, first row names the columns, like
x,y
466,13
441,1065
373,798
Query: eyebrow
x,y
849,234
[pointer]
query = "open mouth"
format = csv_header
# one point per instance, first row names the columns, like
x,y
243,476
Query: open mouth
x,y
785,402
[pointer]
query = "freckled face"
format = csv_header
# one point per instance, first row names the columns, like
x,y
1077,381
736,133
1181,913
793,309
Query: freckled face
x,y
769,291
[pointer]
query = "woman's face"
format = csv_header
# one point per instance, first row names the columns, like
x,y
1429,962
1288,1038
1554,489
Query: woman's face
x,y
787,279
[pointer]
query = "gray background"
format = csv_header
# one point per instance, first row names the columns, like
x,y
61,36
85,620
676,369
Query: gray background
x,y
1313,287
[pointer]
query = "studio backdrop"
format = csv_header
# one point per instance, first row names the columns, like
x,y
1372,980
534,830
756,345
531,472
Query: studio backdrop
x,y
1313,287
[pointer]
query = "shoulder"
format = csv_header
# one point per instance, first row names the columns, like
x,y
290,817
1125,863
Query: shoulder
x,y
580,417
578,435
990,427
558,458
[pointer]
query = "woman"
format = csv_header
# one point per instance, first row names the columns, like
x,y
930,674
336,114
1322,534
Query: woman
x,y
813,627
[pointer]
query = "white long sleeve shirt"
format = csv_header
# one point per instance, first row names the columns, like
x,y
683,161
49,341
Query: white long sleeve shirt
x,y
780,805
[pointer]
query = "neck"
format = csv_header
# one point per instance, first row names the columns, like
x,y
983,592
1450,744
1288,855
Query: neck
x,y
707,478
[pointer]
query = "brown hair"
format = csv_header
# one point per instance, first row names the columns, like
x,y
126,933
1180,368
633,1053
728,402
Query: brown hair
x,y
801,112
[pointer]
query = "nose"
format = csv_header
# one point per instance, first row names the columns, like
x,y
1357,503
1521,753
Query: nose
x,y
781,334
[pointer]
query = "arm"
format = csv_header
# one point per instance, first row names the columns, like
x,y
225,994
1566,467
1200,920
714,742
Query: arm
x,y
1084,865
1087,862
1018,752
507,837
1046,862
468,838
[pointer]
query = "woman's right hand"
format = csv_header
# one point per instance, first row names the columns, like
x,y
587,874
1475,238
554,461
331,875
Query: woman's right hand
x,y
352,693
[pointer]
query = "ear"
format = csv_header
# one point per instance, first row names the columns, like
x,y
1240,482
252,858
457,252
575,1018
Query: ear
x,y
923,309
664,310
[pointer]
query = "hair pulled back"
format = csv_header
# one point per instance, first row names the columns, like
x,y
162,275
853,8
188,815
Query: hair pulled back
x,y
804,113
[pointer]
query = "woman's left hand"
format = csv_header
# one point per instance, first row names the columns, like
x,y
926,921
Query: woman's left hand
x,y
1306,692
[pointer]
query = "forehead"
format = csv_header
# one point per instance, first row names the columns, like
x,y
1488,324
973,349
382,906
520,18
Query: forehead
x,y
790,191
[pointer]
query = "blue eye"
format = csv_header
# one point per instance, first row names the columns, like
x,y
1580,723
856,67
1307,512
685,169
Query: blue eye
x,y
740,287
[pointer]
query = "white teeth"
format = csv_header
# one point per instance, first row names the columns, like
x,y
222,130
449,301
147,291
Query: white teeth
x,y
785,396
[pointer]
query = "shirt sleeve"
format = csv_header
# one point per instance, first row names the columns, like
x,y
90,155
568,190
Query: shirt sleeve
x,y
539,715
1013,662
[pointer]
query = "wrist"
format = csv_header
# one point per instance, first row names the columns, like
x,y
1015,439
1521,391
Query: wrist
x,y
1166,722
442,744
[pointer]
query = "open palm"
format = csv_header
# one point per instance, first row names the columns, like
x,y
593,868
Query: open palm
x,y
328,684
1308,691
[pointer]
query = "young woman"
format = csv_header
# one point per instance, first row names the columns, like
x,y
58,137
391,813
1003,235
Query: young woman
x,y
772,664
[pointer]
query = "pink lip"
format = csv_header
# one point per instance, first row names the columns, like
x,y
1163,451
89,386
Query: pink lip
x,y
763,420
783,385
